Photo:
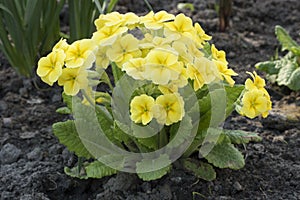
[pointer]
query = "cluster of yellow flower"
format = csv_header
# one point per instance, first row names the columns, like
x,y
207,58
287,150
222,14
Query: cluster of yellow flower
x,y
256,100
169,53
167,108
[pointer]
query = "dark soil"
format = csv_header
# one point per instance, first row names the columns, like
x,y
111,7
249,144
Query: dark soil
x,y
32,160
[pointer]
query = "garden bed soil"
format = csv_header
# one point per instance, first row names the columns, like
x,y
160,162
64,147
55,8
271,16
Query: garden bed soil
x,y
32,160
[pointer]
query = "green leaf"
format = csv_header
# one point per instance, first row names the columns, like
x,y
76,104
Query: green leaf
x,y
286,41
270,67
295,80
200,169
212,116
67,99
63,110
225,155
232,95
73,172
152,169
150,142
117,72
82,14
285,73
241,137
95,169
67,134
99,170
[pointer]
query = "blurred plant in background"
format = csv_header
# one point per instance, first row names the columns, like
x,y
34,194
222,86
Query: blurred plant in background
x,y
223,8
28,29
284,70
82,14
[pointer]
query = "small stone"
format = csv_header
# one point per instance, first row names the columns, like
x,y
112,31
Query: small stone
x,y
176,179
3,106
27,134
9,154
23,92
7,122
259,147
35,154
56,98
237,186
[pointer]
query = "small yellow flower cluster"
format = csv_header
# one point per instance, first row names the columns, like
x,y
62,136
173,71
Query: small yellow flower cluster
x,y
167,108
256,100
68,64
165,49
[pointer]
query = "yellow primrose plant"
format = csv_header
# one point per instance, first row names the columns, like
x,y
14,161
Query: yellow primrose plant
x,y
146,91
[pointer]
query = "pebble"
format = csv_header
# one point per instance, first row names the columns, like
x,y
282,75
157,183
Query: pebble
x,y
9,154
56,98
7,122
35,154
176,179
3,106
259,147
237,186
27,135
23,92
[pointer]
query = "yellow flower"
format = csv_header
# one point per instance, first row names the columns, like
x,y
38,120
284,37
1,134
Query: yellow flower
x,y
200,36
141,109
182,24
73,79
203,71
123,49
149,42
257,83
61,45
102,61
116,19
182,49
107,35
201,33
225,72
193,50
169,108
131,20
173,86
110,19
162,66
80,53
157,20
255,103
269,107
218,55
180,82
135,68
50,67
